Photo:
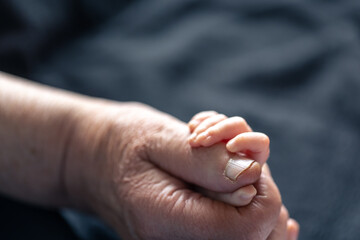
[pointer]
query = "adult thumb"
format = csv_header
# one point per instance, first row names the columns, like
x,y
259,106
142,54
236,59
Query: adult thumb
x,y
213,168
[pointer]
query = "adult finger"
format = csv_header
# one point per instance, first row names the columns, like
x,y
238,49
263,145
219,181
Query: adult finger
x,y
239,198
160,206
292,229
205,167
280,230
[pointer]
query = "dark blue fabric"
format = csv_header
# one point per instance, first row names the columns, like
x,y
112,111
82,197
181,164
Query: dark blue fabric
x,y
21,222
88,227
291,68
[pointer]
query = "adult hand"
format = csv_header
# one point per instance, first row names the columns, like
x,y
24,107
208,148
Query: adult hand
x,y
127,163
132,166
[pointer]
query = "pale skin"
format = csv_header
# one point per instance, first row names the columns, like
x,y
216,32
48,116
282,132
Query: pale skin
x,y
209,127
128,164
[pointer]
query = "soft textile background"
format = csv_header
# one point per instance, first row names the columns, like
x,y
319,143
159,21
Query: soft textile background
x,y
291,68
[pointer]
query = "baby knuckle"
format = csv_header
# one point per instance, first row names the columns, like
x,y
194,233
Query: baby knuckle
x,y
211,112
221,116
213,130
264,139
239,120
204,114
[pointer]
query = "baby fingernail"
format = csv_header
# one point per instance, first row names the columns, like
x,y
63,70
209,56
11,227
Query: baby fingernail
x,y
236,166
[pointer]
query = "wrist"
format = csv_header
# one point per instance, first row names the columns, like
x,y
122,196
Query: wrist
x,y
100,132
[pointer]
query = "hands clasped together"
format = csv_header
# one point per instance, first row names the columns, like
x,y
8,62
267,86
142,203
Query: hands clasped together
x,y
147,174
164,183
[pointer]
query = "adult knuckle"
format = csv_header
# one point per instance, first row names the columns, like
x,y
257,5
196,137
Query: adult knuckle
x,y
284,214
276,201
276,204
254,231
273,204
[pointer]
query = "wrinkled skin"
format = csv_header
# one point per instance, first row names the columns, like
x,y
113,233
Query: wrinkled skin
x,y
139,177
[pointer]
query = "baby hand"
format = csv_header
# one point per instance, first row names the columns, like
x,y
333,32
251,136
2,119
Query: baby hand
x,y
209,128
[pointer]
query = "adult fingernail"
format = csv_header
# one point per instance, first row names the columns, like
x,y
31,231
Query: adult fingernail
x,y
236,166
247,193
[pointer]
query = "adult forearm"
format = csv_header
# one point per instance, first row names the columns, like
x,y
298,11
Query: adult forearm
x,y
125,162
35,125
